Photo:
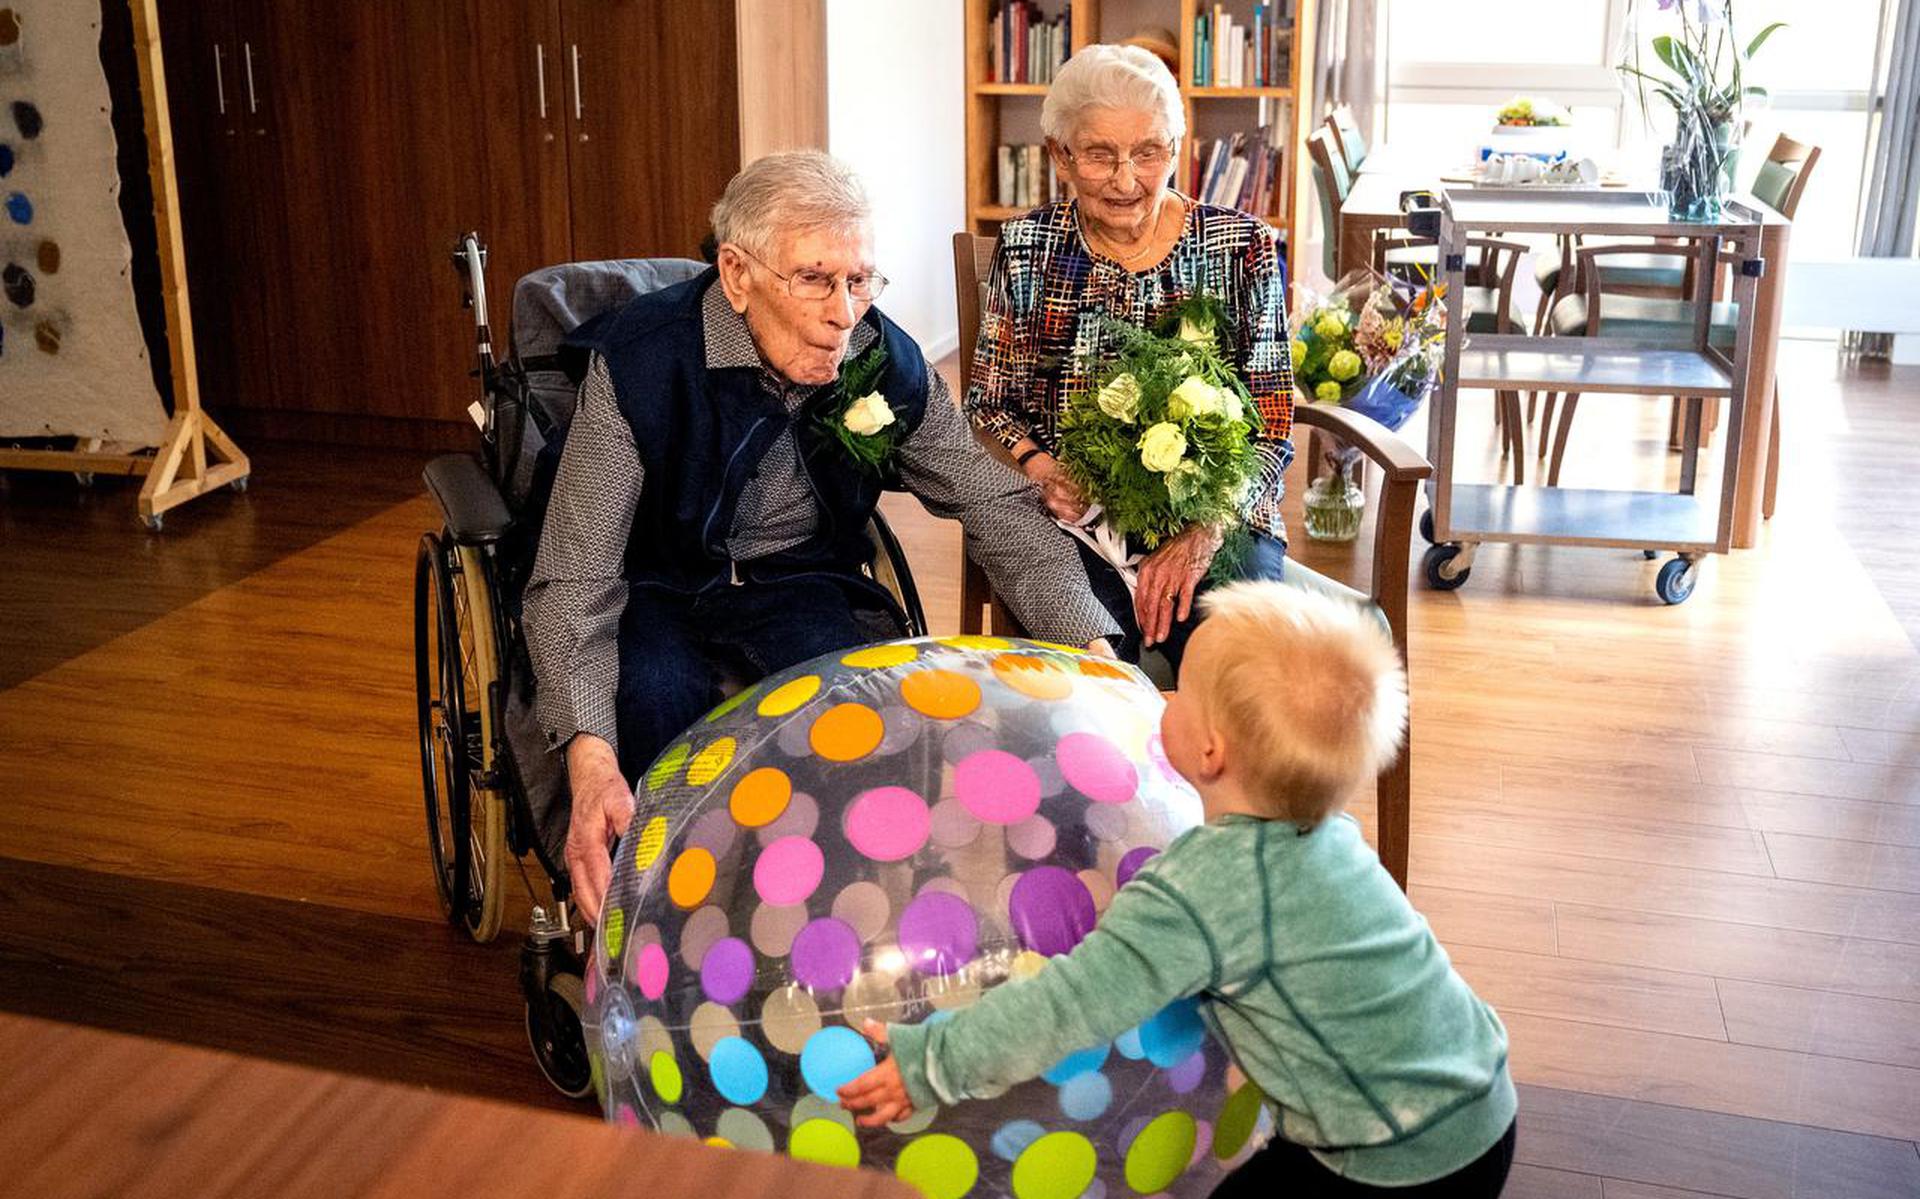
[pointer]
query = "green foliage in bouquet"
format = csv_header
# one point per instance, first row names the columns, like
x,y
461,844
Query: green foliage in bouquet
x,y
1163,437
1326,364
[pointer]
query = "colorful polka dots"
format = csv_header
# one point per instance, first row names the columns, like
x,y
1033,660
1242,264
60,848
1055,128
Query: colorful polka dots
x,y
1096,768
997,787
940,694
1034,677
888,824
667,765
788,870
789,696
760,796
664,1073
824,1141
939,933
938,1166
727,970
647,846
1160,1153
710,761
846,732
825,954
650,971
834,1057
739,1072
1057,1166
691,877
879,657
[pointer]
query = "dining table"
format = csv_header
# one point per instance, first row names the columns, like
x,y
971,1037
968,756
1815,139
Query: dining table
x,y
1373,204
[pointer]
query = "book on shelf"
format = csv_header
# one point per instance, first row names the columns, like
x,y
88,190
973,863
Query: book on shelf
x,y
1241,171
1026,177
1024,45
1230,52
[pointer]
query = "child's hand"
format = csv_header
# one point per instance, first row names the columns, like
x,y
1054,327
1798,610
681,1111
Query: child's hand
x,y
880,1095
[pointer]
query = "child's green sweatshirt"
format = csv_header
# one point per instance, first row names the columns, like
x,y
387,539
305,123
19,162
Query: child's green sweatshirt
x,y
1309,964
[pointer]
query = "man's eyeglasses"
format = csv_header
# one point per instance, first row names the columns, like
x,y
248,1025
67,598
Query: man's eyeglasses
x,y
807,284
1103,163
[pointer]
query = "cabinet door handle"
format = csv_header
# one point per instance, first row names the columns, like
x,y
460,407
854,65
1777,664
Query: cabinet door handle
x,y
540,72
253,101
574,47
220,78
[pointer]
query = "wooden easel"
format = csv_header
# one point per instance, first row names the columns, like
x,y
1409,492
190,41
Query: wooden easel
x,y
195,456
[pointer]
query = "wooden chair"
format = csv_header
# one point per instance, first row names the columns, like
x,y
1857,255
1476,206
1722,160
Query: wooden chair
x,y
1402,470
1346,133
1779,184
1331,183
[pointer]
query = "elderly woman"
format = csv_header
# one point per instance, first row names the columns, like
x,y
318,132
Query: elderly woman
x,y
711,505
1128,246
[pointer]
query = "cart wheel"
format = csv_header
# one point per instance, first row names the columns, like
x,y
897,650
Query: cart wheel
x,y
555,1035
83,477
1426,525
153,523
239,485
1437,565
1676,580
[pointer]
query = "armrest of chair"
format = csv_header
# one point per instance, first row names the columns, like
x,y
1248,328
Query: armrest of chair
x,y
1382,446
469,501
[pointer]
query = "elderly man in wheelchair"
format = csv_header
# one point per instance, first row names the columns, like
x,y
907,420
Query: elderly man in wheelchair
x,y
708,517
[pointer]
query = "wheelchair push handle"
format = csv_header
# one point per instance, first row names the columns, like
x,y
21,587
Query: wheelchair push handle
x,y
470,259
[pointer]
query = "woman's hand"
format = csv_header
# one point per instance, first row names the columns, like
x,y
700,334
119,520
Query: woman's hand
x,y
1168,579
880,1095
1062,498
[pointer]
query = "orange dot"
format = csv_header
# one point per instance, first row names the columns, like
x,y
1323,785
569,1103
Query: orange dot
x,y
846,732
761,796
1033,677
1100,668
941,694
691,877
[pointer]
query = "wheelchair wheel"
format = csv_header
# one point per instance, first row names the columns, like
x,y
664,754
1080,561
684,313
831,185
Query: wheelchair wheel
x,y
442,708
471,612
559,1043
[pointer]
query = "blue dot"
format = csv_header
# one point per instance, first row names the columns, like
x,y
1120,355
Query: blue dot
x,y
739,1072
1086,1096
1128,1043
832,1058
1077,1063
20,208
6,160
1011,1139
1173,1033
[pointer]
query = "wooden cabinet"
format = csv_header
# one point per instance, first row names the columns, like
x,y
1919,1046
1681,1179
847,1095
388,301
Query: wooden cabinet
x,y
331,152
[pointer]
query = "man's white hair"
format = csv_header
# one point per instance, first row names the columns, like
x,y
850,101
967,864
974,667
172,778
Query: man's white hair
x,y
795,191
1103,76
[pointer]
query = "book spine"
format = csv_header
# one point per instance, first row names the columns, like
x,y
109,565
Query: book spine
x,y
1003,178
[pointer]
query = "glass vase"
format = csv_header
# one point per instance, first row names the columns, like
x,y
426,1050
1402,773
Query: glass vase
x,y
1335,505
1696,170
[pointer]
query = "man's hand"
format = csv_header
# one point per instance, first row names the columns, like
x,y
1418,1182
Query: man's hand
x,y
602,809
1168,579
880,1095
1062,498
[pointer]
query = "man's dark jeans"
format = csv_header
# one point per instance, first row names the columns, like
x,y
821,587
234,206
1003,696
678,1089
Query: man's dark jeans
x,y
674,650
1266,558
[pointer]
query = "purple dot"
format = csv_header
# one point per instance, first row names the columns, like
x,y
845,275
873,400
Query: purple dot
x,y
1051,909
825,954
939,932
1131,863
1187,1074
727,970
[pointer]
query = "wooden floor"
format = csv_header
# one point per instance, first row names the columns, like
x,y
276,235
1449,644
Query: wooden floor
x,y
1677,848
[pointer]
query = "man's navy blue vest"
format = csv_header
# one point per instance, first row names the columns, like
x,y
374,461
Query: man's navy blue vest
x,y
700,435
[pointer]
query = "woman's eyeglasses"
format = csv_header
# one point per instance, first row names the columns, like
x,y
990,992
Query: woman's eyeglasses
x,y
1101,163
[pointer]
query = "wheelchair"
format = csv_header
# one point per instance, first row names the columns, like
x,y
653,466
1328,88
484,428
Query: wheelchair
x,y
492,789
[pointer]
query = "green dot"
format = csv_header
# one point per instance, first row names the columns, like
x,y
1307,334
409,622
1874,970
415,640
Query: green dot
x,y
826,1142
665,1073
732,701
614,932
1161,1152
939,1166
667,765
1238,1115
1057,1166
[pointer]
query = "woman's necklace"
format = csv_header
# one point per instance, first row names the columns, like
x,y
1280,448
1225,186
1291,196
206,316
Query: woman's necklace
x,y
1110,248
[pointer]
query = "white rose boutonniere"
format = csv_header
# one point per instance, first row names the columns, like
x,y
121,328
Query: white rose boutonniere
x,y
868,415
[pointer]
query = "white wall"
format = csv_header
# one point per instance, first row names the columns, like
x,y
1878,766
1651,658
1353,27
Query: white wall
x,y
895,114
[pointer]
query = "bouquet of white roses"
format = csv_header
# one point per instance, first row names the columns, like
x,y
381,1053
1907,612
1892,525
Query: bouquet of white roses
x,y
1163,438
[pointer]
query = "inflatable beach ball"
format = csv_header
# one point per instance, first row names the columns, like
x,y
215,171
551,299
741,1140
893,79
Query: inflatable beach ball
x,y
886,833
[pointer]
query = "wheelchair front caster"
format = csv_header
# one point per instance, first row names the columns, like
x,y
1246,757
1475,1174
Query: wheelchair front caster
x,y
555,1032
1649,555
1444,568
1676,580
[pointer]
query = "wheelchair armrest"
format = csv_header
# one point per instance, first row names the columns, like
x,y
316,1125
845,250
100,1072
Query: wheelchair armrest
x,y
469,501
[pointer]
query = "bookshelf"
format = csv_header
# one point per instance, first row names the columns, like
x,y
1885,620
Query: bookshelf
x,y
999,113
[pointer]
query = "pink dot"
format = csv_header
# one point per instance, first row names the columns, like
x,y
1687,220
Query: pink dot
x,y
997,787
1033,838
650,970
788,870
593,986
1157,753
888,823
1096,768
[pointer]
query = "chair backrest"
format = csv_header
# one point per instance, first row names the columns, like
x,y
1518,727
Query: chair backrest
x,y
972,262
1346,133
1330,183
1783,176
1499,265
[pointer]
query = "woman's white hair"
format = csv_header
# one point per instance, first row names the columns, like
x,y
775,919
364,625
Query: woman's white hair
x,y
791,192
1104,76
